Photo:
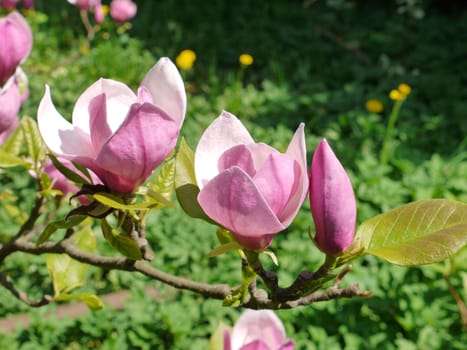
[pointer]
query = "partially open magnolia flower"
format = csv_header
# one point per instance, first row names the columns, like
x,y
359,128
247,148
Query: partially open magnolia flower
x,y
332,200
249,188
15,44
258,330
120,136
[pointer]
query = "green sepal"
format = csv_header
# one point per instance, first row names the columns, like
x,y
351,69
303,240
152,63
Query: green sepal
x,y
67,172
216,342
161,187
423,232
13,143
186,187
224,249
33,139
95,210
240,294
123,243
92,301
53,226
115,202
8,160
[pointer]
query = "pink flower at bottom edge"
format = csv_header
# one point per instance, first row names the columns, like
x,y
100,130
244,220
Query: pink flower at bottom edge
x,y
257,330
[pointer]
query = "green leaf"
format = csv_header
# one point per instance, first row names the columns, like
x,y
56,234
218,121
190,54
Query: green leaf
x,y
163,183
67,273
224,249
8,160
186,187
91,300
13,143
156,197
35,144
216,342
67,172
418,233
53,226
115,202
123,243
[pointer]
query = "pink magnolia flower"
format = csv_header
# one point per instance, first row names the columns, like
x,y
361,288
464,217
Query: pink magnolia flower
x,y
28,4
83,4
332,199
122,10
10,102
258,330
120,136
15,44
61,183
249,188
9,4
99,13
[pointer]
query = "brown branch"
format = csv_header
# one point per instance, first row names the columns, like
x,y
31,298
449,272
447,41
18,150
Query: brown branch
x,y
22,296
344,44
459,302
27,227
258,298
67,246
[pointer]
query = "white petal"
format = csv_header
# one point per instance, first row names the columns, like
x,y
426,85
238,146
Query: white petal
x,y
59,135
224,132
119,98
297,151
166,86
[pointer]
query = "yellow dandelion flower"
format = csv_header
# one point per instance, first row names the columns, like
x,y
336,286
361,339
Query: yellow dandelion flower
x,y
246,59
404,89
374,106
396,95
105,10
186,59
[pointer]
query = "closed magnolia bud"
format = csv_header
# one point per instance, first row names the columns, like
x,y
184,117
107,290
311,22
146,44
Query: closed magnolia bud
x,y
332,200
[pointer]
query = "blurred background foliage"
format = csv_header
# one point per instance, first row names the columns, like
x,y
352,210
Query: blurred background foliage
x,y
316,61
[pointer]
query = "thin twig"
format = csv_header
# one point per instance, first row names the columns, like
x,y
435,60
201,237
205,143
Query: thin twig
x,y
22,296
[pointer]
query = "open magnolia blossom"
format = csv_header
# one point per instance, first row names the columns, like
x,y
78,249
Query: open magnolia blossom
x,y
122,10
332,200
257,330
15,44
249,188
120,136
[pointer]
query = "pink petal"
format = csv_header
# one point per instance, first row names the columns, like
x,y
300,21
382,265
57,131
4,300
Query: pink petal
x,y
297,151
142,142
288,345
255,325
332,201
261,153
227,340
256,345
122,10
277,180
232,200
100,130
10,102
239,156
119,98
15,44
59,135
166,86
224,132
